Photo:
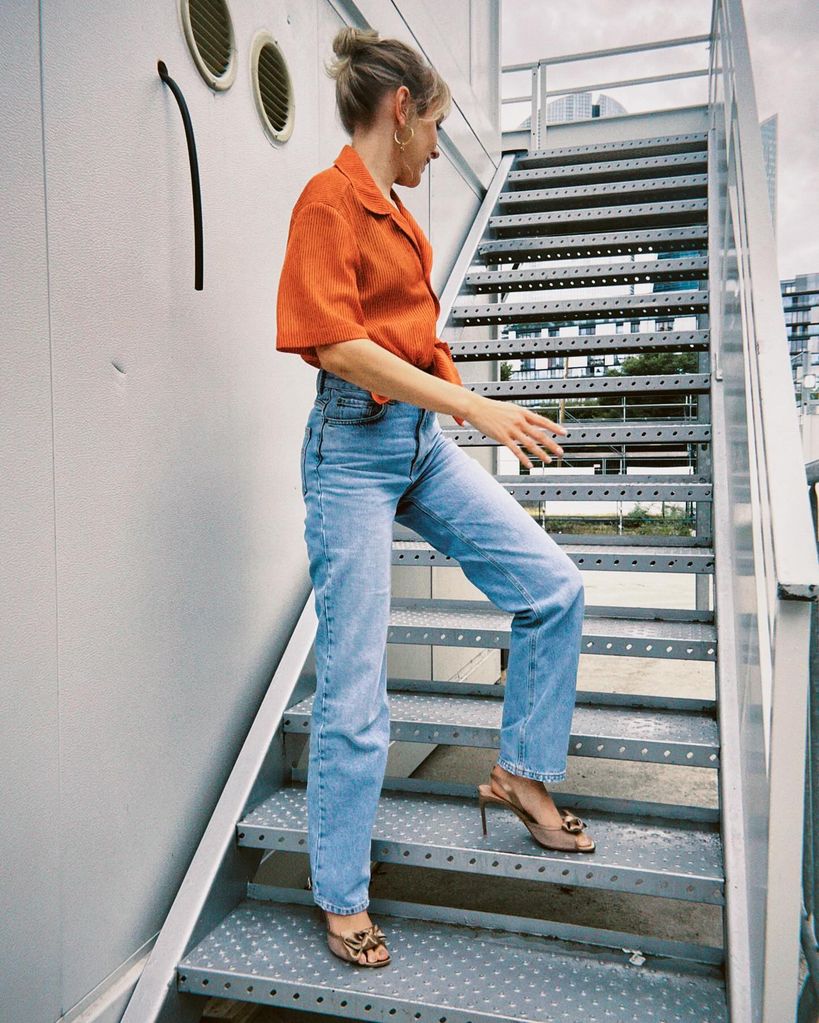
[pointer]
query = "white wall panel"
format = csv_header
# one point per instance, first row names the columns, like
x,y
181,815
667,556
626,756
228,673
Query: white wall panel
x,y
30,948
176,452
158,545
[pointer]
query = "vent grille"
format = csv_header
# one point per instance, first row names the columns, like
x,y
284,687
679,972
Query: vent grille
x,y
209,31
272,88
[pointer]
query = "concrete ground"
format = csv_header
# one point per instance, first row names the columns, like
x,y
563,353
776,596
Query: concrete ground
x,y
640,914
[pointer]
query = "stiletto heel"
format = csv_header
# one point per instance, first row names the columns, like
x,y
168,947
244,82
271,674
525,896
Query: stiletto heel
x,y
481,803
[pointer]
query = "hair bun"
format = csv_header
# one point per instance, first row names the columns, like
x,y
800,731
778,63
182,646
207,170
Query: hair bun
x,y
349,40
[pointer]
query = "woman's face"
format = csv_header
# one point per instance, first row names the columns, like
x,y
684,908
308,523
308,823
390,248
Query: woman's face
x,y
422,147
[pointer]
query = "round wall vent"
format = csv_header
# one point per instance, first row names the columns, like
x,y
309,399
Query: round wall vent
x,y
272,88
209,32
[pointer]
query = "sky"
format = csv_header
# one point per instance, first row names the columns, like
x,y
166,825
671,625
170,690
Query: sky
x,y
783,37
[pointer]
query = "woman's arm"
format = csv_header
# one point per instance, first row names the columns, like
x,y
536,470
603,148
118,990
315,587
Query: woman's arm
x,y
363,362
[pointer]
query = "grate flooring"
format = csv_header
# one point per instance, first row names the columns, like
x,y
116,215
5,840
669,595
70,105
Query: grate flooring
x,y
652,856
276,954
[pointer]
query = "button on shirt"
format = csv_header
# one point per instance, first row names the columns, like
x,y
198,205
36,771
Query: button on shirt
x,y
356,266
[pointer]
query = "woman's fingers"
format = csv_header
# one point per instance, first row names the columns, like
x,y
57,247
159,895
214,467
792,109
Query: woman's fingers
x,y
516,450
516,427
531,444
537,449
543,421
548,441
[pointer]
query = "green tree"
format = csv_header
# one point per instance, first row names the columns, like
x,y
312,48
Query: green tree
x,y
651,364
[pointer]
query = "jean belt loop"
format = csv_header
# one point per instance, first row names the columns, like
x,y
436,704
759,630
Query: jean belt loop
x,y
322,376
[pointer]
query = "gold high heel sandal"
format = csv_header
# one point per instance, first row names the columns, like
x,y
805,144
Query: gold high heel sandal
x,y
348,945
560,839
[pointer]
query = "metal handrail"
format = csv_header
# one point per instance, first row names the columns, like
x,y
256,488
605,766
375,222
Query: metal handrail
x,y
613,51
539,94
651,79
780,459
767,579
808,1005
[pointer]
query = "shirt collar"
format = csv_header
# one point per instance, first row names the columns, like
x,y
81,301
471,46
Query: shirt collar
x,y
353,167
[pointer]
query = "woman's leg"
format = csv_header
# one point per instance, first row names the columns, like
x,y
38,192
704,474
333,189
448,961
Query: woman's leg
x,y
461,509
355,466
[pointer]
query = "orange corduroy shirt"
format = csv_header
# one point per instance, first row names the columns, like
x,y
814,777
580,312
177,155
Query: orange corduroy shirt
x,y
356,267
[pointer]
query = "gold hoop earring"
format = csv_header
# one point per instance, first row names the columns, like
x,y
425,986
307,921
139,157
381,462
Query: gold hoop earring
x,y
402,145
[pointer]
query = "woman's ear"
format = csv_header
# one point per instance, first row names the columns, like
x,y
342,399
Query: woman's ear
x,y
402,104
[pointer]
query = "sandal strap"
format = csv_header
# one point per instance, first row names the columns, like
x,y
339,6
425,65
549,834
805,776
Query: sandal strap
x,y
570,823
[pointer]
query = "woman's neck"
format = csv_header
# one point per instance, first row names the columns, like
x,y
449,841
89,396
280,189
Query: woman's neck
x,y
377,158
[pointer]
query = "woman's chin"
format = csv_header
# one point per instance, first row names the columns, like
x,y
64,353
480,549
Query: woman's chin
x,y
411,182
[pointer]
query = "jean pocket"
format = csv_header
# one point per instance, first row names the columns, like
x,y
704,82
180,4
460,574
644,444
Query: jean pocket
x,y
351,410
307,431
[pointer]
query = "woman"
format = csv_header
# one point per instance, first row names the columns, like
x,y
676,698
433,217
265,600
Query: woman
x,y
355,301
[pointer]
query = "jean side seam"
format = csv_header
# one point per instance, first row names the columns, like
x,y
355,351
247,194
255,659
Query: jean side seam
x,y
487,557
530,697
328,620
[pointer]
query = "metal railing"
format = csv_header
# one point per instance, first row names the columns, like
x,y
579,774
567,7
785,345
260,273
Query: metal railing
x,y
808,1010
767,567
539,94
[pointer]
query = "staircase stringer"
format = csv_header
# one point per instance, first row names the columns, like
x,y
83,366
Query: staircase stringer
x,y
461,266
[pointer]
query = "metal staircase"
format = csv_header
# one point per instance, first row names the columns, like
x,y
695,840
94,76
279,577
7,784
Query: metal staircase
x,y
665,850
619,203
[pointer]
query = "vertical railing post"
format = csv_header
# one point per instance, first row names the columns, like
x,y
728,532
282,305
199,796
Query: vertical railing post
x,y
808,1005
541,130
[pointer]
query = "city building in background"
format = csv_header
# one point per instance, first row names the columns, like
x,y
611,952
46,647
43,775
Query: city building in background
x,y
578,106
769,148
800,301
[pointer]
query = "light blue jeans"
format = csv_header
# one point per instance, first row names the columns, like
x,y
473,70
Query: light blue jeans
x,y
364,466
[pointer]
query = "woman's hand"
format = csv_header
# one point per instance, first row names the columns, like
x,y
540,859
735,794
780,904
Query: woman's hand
x,y
514,426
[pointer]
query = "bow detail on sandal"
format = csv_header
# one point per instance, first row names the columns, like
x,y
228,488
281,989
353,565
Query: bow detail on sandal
x,y
350,944
572,823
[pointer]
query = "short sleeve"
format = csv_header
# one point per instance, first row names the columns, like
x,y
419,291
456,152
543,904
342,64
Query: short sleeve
x,y
318,300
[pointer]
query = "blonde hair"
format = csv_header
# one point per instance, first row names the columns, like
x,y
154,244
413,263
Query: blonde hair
x,y
368,67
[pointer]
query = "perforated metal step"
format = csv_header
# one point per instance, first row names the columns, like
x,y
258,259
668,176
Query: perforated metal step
x,y
616,307
658,145
668,633
585,386
580,344
621,216
275,953
587,557
597,432
598,242
615,731
676,859
553,485
605,193
597,275
634,541
608,170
